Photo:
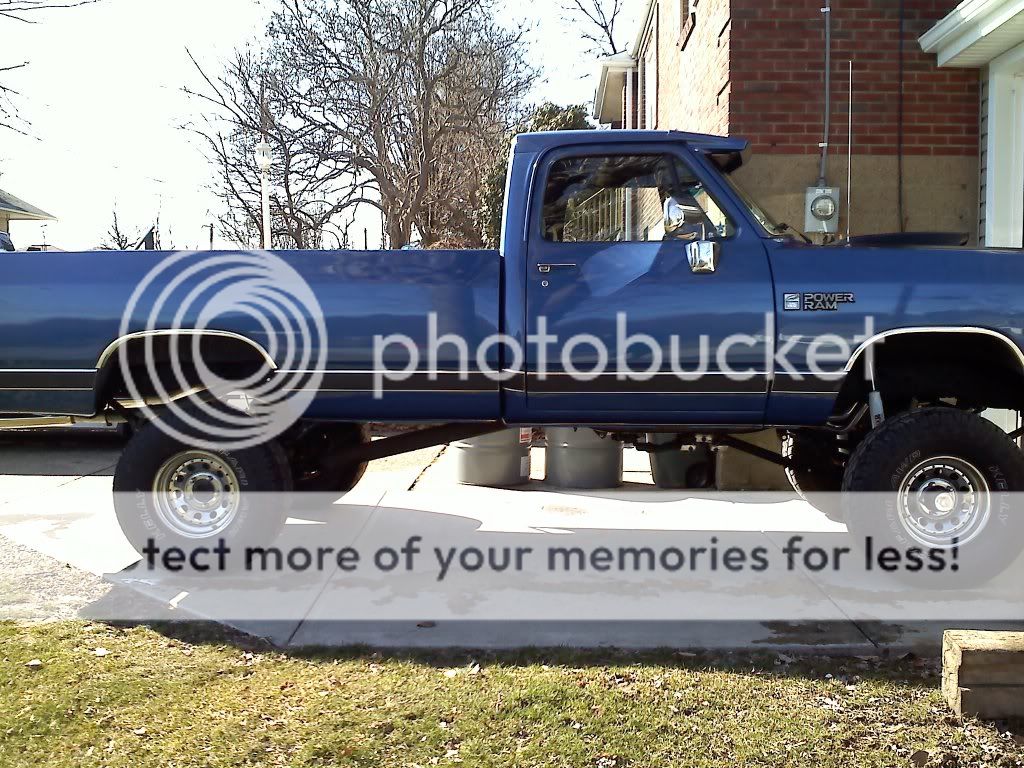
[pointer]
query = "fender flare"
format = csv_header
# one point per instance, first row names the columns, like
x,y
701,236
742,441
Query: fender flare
x,y
960,329
120,341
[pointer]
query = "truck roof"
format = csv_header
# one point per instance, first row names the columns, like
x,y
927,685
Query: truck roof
x,y
544,140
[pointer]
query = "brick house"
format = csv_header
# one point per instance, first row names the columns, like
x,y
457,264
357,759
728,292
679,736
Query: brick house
x,y
936,101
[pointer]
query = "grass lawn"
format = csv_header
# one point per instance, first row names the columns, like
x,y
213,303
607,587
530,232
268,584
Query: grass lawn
x,y
192,696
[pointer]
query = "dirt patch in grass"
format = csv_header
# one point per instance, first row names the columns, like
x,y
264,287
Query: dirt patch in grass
x,y
187,696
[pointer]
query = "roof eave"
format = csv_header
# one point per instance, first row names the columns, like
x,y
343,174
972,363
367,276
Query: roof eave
x,y
618,64
24,216
645,19
956,37
15,209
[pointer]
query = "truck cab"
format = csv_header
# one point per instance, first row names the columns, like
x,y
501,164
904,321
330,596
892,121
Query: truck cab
x,y
594,259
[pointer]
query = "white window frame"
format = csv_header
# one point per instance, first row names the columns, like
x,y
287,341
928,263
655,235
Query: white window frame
x,y
1004,190
650,84
683,10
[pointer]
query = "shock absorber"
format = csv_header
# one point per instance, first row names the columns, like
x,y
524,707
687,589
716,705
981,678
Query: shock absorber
x,y
875,407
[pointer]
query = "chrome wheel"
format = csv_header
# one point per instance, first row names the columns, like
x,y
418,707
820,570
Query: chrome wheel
x,y
944,501
196,494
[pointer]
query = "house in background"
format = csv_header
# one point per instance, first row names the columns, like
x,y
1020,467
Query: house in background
x,y
938,109
938,114
984,39
16,209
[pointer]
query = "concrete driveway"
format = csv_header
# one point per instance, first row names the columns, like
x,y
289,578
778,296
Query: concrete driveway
x,y
55,505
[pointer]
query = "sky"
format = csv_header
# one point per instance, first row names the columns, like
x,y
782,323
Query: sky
x,y
103,95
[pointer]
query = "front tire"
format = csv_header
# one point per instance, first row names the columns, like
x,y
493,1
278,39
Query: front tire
x,y
178,495
815,470
934,479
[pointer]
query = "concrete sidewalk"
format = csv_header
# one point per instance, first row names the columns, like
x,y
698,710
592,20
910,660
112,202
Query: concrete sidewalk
x,y
55,500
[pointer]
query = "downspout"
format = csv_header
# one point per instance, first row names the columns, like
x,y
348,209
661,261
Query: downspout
x,y
827,10
899,121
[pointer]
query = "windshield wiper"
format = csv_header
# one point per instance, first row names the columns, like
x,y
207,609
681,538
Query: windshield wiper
x,y
782,227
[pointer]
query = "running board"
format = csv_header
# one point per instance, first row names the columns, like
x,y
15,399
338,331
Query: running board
x,y
41,422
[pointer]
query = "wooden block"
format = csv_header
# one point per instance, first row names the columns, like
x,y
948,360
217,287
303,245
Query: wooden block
x,y
983,673
984,658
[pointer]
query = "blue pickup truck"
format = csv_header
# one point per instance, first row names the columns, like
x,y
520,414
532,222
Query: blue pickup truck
x,y
637,289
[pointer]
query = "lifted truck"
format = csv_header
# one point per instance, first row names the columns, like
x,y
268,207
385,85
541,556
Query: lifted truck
x,y
599,226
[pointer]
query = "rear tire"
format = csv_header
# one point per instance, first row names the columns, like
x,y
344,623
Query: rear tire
x,y
935,478
178,495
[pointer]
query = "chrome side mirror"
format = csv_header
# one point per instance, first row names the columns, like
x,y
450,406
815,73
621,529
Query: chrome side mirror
x,y
675,216
683,220
703,256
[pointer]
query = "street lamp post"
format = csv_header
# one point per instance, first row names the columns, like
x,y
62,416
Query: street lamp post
x,y
264,161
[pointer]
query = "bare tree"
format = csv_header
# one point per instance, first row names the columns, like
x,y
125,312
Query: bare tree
x,y
9,114
491,201
23,11
597,20
117,238
414,95
247,102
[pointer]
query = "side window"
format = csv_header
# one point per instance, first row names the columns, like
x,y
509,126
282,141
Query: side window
x,y
693,193
608,198
619,198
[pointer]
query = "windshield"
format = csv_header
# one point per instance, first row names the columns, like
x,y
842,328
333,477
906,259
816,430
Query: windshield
x,y
769,224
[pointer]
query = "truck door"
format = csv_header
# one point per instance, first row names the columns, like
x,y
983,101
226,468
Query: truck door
x,y
623,330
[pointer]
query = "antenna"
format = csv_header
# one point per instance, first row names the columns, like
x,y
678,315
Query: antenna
x,y
849,158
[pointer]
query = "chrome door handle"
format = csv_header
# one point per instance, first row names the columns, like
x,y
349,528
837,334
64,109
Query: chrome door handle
x,y
546,268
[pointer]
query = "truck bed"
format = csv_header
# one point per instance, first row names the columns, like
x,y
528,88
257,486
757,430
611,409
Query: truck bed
x,y
60,312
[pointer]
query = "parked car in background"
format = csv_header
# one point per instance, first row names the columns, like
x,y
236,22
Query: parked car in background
x,y
6,244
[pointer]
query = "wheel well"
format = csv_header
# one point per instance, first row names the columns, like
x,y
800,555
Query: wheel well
x,y
148,360
979,370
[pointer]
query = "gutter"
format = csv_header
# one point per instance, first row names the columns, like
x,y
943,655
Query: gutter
x,y
958,39
644,20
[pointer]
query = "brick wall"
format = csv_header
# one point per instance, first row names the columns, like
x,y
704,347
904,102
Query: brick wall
x,y
693,64
776,72
755,68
